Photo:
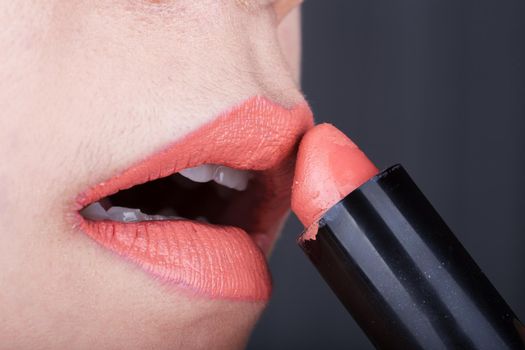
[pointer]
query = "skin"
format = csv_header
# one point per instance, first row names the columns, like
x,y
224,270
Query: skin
x,y
86,89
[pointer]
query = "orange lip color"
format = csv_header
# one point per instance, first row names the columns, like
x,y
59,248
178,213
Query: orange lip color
x,y
329,166
213,260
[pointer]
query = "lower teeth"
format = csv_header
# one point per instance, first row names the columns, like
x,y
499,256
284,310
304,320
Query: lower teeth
x,y
96,212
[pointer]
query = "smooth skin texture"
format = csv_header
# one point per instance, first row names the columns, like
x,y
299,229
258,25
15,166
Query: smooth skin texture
x,y
86,89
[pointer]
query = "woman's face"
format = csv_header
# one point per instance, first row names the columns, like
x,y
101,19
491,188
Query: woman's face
x,y
90,93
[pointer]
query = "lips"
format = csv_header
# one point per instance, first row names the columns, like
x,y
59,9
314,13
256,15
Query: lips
x,y
248,151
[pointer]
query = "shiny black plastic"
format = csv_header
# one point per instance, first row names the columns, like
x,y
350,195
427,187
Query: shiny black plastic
x,y
403,275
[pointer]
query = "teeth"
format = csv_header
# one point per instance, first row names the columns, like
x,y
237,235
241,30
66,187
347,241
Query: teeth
x,y
223,175
201,173
231,178
125,214
96,212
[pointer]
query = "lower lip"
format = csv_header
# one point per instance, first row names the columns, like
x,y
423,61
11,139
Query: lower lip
x,y
221,262
390,258
212,261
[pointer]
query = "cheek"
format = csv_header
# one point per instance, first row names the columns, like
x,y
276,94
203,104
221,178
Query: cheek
x,y
289,33
82,95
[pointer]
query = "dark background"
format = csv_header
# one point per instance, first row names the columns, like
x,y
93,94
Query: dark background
x,y
438,86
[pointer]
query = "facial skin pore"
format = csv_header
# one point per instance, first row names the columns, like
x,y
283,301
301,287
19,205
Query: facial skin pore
x,y
86,89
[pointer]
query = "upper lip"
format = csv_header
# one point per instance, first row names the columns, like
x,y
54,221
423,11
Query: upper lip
x,y
256,135
281,138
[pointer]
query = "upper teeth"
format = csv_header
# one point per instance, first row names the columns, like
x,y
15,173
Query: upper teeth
x,y
229,177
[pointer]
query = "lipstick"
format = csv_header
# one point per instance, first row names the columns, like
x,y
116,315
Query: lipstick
x,y
389,257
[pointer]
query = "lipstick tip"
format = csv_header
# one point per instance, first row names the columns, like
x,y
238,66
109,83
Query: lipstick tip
x,y
329,166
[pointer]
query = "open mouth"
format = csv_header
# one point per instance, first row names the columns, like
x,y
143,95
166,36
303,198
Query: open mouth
x,y
202,213
208,193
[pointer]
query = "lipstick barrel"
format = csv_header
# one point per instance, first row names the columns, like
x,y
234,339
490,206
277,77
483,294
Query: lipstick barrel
x,y
404,276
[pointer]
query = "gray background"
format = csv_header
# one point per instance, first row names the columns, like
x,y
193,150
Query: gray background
x,y
438,86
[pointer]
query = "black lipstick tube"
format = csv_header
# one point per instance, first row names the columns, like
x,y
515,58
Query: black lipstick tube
x,y
403,275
